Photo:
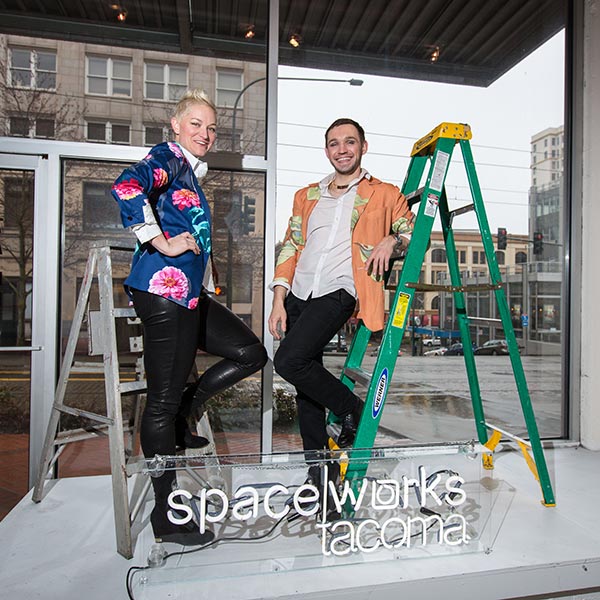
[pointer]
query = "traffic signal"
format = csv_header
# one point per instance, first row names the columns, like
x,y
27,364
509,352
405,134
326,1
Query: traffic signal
x,y
501,238
249,214
538,242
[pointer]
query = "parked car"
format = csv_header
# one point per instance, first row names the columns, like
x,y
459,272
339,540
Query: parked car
x,y
336,344
436,351
455,350
375,352
493,347
432,341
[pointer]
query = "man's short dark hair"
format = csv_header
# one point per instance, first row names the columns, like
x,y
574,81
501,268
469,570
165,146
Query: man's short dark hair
x,y
346,121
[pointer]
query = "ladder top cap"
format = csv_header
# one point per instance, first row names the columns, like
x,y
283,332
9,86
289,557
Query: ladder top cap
x,y
457,131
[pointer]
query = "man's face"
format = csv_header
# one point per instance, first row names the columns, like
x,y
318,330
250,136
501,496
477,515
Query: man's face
x,y
196,129
344,150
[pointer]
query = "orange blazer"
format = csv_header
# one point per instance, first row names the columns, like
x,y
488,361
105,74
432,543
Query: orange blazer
x,y
379,210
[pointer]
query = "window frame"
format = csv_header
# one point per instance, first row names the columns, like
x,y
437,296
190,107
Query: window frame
x,y
110,77
219,88
34,70
166,82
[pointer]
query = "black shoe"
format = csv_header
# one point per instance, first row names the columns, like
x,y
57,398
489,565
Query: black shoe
x,y
315,478
185,535
349,426
184,438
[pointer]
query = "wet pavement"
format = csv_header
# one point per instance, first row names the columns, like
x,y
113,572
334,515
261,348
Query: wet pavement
x,y
429,398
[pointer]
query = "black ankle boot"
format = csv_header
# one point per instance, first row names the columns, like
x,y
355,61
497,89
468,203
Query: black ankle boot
x,y
315,477
349,425
184,438
186,535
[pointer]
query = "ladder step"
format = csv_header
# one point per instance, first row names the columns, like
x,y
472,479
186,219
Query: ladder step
x,y
125,312
132,387
78,412
414,197
461,211
432,287
78,435
358,375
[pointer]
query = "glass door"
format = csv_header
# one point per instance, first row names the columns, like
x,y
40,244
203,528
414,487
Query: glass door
x,y
20,341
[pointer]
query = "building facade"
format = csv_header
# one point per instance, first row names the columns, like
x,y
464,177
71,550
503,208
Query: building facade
x,y
107,95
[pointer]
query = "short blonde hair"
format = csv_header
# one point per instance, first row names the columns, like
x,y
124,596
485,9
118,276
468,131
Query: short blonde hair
x,y
195,96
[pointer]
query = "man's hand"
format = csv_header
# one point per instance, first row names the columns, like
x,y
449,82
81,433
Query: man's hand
x,y
278,316
379,261
176,245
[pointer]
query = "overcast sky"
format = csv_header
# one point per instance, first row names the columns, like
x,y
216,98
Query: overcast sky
x,y
396,112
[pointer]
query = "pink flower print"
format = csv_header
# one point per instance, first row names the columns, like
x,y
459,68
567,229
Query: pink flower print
x,y
160,177
193,304
167,234
148,157
175,149
126,190
169,282
185,199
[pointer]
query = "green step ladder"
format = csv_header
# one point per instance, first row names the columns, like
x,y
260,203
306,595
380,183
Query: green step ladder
x,y
434,152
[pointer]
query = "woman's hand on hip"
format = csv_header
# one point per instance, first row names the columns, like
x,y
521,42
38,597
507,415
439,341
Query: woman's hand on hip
x,y
176,245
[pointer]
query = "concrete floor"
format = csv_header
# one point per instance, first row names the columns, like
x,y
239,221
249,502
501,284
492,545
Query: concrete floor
x,y
64,548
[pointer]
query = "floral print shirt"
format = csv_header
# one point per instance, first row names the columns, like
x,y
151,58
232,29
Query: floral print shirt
x,y
164,182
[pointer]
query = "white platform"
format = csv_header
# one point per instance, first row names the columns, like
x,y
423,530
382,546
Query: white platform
x,y
64,548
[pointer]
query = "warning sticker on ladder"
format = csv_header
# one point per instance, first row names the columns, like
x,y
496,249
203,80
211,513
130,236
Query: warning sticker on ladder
x,y
401,310
432,205
439,171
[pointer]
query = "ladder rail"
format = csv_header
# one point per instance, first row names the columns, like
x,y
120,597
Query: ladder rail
x,y
65,369
511,340
463,320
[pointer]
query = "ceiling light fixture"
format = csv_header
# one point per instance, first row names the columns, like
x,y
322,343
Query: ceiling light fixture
x,y
250,33
295,40
121,12
435,54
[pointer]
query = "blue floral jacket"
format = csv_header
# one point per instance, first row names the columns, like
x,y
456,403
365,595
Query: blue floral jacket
x,y
165,181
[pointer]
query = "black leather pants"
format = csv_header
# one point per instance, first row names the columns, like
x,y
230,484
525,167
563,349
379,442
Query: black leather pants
x,y
172,334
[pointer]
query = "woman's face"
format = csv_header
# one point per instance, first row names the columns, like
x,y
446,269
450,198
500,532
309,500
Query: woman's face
x,y
196,129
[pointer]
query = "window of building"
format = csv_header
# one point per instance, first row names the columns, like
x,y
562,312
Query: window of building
x,y
106,132
500,257
478,257
229,85
242,284
39,127
35,69
155,134
462,256
100,211
165,81
438,255
18,202
225,142
520,257
108,76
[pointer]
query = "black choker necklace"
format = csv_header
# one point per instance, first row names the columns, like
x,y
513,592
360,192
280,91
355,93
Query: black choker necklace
x,y
341,187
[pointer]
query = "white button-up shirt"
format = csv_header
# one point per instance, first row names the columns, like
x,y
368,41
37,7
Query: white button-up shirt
x,y
325,264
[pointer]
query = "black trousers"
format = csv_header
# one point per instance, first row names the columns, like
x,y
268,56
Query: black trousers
x,y
310,325
172,334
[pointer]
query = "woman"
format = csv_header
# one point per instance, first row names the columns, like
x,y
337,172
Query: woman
x,y
162,202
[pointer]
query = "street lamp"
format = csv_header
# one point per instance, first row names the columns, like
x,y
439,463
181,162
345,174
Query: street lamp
x,y
229,276
353,82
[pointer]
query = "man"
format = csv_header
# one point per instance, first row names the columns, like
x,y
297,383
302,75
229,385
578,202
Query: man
x,y
339,241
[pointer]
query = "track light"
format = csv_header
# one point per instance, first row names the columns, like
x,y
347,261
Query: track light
x,y
295,40
435,54
250,33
